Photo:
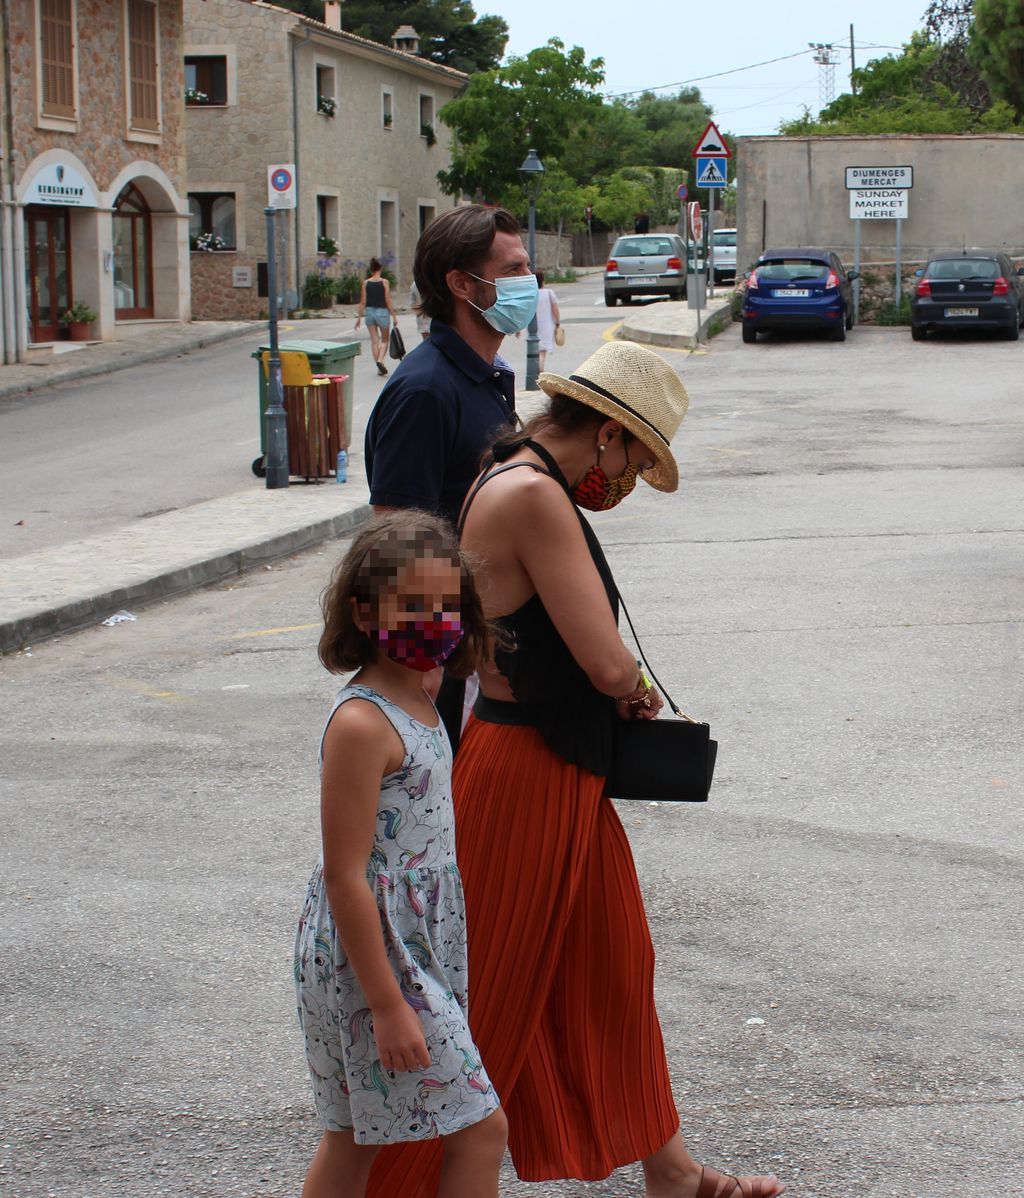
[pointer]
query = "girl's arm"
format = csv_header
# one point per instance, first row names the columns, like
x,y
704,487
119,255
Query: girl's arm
x,y
358,753
362,303
554,310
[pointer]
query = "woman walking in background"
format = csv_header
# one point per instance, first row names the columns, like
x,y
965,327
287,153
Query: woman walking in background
x,y
548,319
375,304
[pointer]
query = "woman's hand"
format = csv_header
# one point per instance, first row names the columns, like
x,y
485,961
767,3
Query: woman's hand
x,y
638,711
401,1045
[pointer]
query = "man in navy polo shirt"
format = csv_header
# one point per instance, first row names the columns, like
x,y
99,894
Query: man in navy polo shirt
x,y
450,395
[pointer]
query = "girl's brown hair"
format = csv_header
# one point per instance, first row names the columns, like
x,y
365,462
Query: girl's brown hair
x,y
378,555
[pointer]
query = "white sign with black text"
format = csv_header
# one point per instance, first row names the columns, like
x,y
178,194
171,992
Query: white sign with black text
x,y
879,176
882,203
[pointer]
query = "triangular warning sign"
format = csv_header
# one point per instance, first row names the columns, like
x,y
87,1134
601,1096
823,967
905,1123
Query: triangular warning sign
x,y
711,143
709,173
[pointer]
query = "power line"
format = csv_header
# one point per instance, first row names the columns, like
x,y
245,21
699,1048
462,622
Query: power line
x,y
702,78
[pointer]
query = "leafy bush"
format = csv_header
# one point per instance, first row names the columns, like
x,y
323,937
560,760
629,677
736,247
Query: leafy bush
x,y
317,290
561,276
889,314
347,286
79,313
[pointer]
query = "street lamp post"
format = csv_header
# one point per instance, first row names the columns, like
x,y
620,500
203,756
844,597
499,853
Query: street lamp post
x,y
532,175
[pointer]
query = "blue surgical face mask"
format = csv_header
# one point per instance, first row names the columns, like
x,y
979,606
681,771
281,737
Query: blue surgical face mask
x,y
515,305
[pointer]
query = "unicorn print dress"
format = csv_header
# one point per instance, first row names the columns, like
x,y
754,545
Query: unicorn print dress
x,y
413,874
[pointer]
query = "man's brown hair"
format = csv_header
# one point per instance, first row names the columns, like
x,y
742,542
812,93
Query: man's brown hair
x,y
386,547
459,239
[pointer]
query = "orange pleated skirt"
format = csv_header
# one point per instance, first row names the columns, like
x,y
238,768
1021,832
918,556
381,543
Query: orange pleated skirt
x,y
561,970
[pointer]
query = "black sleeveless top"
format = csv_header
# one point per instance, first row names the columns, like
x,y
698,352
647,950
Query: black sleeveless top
x,y
375,297
552,691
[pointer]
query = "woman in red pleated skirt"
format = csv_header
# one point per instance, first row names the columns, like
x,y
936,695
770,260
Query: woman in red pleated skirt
x,y
561,986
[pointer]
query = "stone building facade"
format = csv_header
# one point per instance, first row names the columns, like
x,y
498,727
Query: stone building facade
x,y
357,120
93,162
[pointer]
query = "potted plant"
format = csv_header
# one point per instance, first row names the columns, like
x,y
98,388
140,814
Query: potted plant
x,y
327,247
428,134
327,105
79,319
195,98
207,243
318,290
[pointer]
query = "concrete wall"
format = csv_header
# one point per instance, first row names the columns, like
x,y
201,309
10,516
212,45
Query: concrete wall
x,y
967,190
352,157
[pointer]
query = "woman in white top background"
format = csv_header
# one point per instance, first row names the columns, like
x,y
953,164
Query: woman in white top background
x,y
548,319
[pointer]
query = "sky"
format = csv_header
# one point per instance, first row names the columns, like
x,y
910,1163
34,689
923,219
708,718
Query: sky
x,y
671,42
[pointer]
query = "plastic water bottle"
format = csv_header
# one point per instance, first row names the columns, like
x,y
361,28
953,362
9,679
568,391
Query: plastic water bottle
x,y
341,471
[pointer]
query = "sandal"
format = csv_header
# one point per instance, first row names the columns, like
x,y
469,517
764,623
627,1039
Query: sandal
x,y
714,1184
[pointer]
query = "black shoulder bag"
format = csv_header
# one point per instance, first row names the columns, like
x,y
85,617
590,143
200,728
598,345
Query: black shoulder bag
x,y
665,761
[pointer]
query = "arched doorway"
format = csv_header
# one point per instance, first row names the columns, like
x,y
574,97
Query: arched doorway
x,y
133,255
49,269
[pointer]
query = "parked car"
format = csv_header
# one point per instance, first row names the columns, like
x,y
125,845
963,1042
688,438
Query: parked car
x,y
725,253
798,288
977,289
645,264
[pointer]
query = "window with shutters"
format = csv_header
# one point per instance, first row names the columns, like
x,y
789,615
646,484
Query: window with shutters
x,y
57,44
143,66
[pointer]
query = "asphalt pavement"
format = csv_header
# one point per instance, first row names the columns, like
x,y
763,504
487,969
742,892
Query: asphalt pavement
x,y
836,587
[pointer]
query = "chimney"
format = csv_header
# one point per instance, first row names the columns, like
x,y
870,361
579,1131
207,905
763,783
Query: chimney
x,y
406,38
332,14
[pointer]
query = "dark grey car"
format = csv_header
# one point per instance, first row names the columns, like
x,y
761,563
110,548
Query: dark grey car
x,y
645,264
976,289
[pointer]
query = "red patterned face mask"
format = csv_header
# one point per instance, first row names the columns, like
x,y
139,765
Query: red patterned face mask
x,y
597,492
422,645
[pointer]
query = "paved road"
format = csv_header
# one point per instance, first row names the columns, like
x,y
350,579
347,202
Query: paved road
x,y
87,457
836,586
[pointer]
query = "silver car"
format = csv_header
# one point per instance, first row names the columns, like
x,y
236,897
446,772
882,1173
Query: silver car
x,y
725,253
645,264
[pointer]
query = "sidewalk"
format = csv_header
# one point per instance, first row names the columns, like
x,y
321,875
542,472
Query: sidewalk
x,y
101,357
675,325
82,583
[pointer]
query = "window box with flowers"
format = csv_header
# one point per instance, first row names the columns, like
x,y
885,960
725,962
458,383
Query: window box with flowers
x,y
194,98
326,105
428,134
208,243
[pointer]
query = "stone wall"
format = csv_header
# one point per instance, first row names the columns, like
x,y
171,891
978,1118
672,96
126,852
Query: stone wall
x,y
102,140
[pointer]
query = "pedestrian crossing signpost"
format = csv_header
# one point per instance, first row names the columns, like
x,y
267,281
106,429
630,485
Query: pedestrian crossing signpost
x,y
712,172
712,154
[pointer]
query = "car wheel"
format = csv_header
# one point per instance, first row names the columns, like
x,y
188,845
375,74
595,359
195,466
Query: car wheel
x,y
259,466
918,332
749,333
626,298
838,333
1013,333
679,294
849,319
609,299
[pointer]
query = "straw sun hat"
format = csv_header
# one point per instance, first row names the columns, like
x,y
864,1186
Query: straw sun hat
x,y
639,389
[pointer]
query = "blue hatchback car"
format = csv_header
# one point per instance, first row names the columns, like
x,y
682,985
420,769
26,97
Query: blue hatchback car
x,y
798,288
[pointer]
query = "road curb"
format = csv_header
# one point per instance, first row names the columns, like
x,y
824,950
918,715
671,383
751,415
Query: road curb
x,y
22,631
647,331
51,375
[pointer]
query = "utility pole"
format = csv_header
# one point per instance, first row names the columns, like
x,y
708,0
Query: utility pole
x,y
824,57
853,65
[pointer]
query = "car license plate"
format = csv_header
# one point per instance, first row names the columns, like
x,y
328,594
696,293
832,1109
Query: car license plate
x,y
961,311
793,293
639,278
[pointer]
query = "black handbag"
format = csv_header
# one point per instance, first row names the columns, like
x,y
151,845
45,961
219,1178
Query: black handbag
x,y
396,346
665,761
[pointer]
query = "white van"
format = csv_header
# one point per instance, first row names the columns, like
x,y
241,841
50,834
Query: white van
x,y
725,253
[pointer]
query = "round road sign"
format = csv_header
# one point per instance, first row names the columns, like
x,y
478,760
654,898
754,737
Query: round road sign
x,y
696,222
682,191
281,179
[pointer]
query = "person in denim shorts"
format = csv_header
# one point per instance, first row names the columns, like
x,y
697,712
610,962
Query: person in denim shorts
x,y
376,308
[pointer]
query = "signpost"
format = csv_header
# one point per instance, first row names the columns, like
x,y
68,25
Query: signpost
x,y
879,193
712,156
280,194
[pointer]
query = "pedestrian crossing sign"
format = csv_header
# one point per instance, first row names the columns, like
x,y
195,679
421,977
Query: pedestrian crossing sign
x,y
712,172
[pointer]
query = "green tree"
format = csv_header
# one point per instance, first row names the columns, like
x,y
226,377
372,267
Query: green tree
x,y
948,24
450,31
535,100
996,47
619,198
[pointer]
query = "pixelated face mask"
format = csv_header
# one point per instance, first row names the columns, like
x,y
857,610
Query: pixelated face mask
x,y
422,644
